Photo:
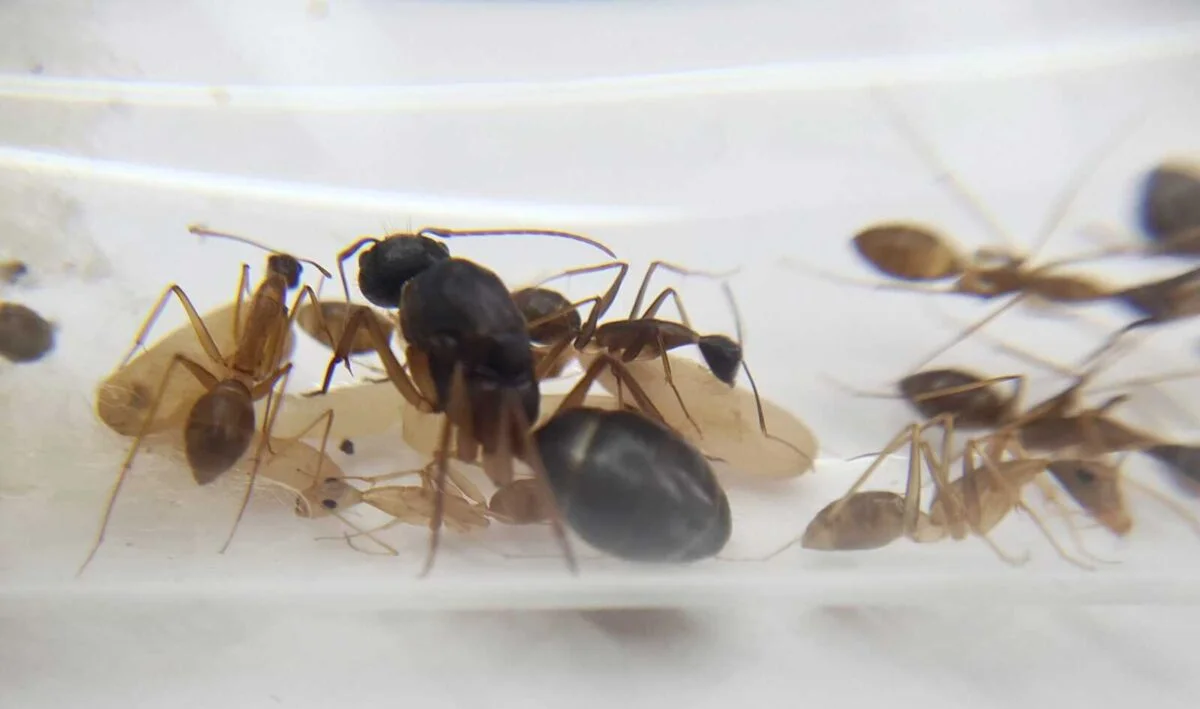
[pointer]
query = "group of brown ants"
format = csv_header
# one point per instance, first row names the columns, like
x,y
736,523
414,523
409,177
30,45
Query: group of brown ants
x,y
624,470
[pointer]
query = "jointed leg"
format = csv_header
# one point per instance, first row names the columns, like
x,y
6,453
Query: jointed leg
x,y
396,373
578,393
441,454
658,302
259,391
606,300
202,334
243,291
654,266
204,377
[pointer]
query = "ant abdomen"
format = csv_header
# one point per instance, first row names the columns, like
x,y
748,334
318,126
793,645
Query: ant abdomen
x,y
388,265
722,355
974,408
538,303
219,429
908,252
632,487
865,520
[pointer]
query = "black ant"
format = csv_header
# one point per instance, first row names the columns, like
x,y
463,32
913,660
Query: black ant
x,y
468,351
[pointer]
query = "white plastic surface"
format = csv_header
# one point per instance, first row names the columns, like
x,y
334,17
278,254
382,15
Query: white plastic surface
x,y
711,134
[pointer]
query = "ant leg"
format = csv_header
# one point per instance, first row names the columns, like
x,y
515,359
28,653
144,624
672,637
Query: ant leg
x,y
967,332
1052,498
907,437
389,550
260,390
202,333
441,455
532,456
660,300
396,374
601,307
550,359
578,393
204,377
347,253
879,285
243,290
1041,525
762,417
666,361
654,266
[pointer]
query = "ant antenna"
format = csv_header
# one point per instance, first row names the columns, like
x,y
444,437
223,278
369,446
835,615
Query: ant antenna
x,y
1070,193
448,233
737,316
203,232
347,253
934,161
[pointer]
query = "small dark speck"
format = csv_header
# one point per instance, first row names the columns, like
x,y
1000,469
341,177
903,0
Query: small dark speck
x,y
37,68
346,446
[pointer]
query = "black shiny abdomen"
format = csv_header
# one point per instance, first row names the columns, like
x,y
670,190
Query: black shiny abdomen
x,y
632,487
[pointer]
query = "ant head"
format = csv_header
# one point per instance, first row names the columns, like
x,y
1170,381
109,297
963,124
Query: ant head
x,y
722,355
286,266
538,303
384,268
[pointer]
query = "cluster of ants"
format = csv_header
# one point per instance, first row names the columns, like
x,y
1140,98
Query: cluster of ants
x,y
1081,447
630,474
631,470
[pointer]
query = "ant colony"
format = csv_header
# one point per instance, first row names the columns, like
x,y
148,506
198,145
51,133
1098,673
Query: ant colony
x,y
659,429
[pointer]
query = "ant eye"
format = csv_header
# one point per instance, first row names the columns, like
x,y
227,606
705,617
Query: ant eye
x,y
329,504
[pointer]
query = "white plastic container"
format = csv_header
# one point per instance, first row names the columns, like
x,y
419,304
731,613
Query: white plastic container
x,y
711,134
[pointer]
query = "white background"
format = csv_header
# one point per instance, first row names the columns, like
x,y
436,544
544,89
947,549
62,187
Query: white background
x,y
714,134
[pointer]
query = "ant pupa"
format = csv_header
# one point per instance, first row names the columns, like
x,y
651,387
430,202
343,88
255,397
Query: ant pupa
x,y
25,336
220,424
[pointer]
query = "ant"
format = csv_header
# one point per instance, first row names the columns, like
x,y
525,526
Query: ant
x,y
915,253
556,326
988,490
468,349
25,336
221,423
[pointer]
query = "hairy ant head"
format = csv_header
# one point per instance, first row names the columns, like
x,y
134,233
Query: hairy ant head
x,y
538,303
722,355
390,263
287,267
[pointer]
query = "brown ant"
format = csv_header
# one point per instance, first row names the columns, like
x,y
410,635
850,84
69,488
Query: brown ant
x,y
915,253
221,423
988,490
555,325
